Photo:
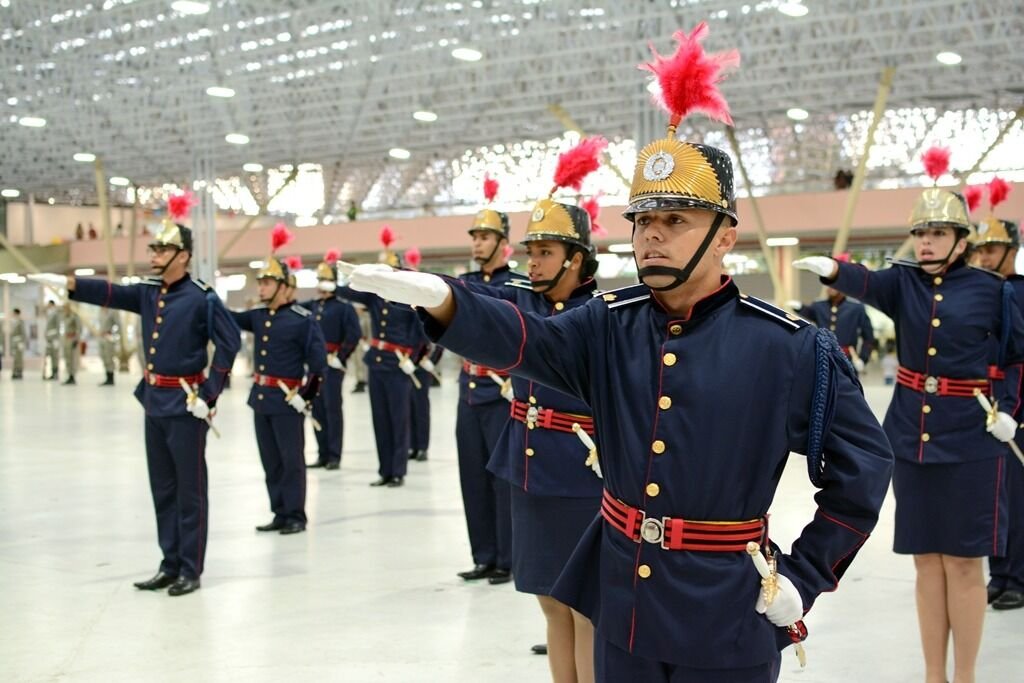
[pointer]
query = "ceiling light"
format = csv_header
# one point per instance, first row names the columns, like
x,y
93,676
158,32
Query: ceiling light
x,y
32,121
305,221
949,58
85,272
782,241
399,153
9,193
219,91
190,7
237,139
425,116
252,168
793,9
626,248
120,181
467,54
797,114
12,101
84,156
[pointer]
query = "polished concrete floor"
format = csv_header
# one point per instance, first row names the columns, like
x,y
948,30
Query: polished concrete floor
x,y
368,593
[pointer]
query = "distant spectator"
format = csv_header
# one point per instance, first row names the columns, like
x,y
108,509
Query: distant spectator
x,y
119,231
92,232
79,232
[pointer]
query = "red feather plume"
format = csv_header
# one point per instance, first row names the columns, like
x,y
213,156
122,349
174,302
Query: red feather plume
x,y
294,263
577,163
936,161
280,236
413,257
490,188
387,236
178,205
593,208
332,256
689,78
998,189
972,193
508,250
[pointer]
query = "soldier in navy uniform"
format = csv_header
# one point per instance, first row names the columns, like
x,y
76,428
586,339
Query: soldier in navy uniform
x,y
691,450
396,338
995,247
340,326
290,359
949,478
180,317
555,486
419,415
483,413
848,320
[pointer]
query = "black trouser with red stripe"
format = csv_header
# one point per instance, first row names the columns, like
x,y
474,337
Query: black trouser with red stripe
x,y
485,497
327,410
176,456
282,440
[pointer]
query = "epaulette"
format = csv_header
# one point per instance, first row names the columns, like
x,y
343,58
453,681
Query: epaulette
x,y
905,262
624,296
201,285
521,284
257,307
987,271
516,275
304,312
777,314
155,281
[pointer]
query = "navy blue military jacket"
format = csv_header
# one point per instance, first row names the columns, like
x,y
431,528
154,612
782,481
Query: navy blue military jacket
x,y
946,326
288,345
475,390
1000,387
338,322
178,321
541,461
848,320
390,323
738,376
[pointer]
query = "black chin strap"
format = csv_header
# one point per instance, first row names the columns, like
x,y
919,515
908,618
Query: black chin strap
x,y
681,275
277,289
945,260
1006,252
544,286
484,262
161,269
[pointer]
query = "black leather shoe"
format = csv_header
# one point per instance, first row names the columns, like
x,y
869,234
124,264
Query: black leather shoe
x,y
70,380
332,465
159,581
318,463
499,576
183,586
421,456
994,593
276,525
293,528
541,649
359,388
396,482
480,571
1010,599
383,481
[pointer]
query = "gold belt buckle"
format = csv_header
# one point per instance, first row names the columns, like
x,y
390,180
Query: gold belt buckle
x,y
931,384
532,413
473,367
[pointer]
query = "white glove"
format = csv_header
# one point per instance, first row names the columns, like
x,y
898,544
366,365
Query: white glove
x,y
819,265
857,362
198,408
402,286
794,304
596,466
297,403
1003,427
407,366
787,607
507,392
428,365
364,347
334,361
51,279
326,286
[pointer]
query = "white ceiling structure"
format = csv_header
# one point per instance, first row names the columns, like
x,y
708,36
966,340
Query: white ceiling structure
x,y
332,86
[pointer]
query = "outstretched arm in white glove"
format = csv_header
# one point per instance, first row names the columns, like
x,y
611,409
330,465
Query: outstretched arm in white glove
x,y
53,280
787,607
404,286
823,266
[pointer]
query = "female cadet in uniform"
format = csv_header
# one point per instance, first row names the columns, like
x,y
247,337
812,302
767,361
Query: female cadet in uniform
x,y
699,394
949,478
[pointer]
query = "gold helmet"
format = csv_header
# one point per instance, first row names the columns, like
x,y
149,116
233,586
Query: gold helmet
x,y
273,268
936,206
172,232
994,230
671,173
562,222
327,270
488,218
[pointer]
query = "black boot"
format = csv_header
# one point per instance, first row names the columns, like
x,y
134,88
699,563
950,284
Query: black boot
x,y
360,387
109,381
70,380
